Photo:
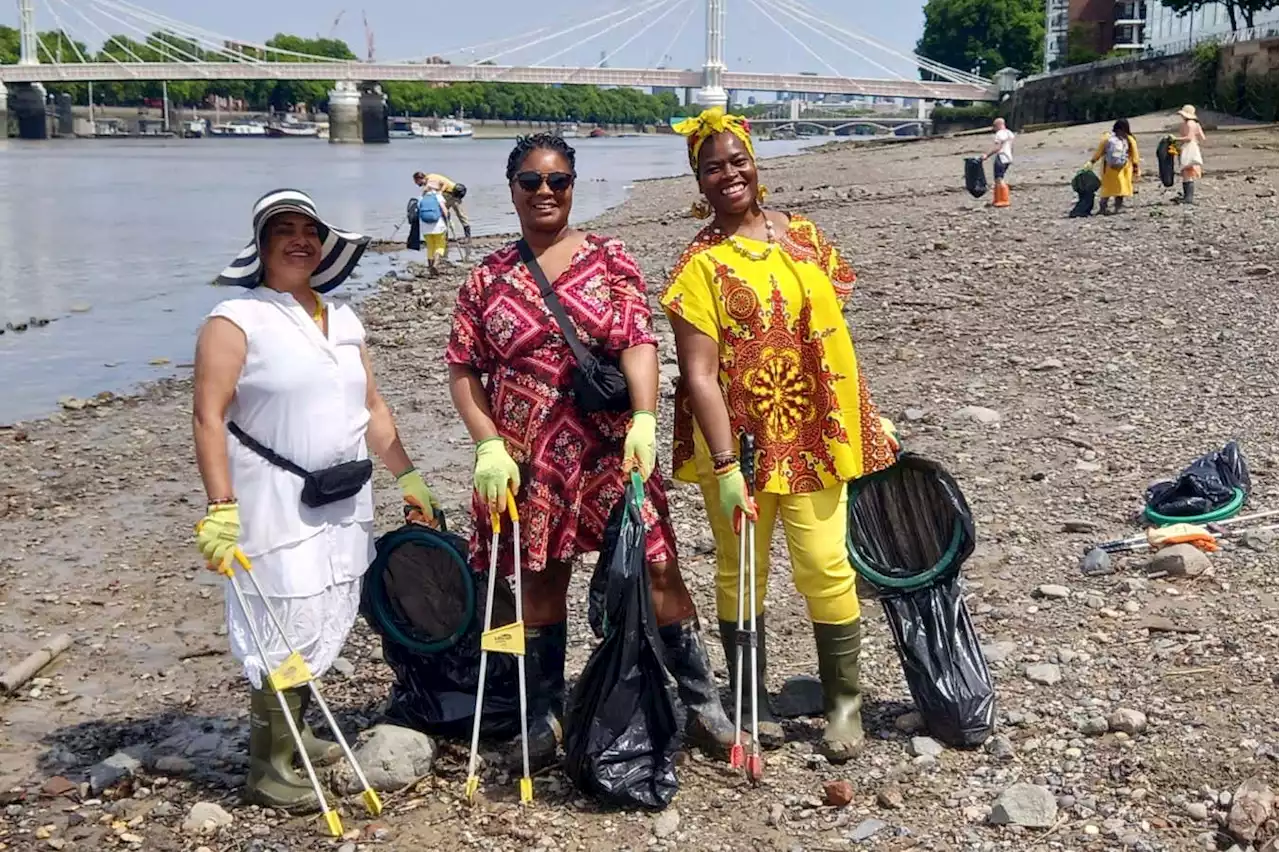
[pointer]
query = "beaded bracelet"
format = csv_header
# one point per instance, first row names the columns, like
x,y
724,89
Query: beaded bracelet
x,y
724,458
721,470
225,501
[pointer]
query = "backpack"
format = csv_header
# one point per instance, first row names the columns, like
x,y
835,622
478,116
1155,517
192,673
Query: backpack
x,y
429,208
1117,152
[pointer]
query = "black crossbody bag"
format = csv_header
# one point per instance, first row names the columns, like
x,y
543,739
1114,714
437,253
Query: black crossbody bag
x,y
319,488
598,381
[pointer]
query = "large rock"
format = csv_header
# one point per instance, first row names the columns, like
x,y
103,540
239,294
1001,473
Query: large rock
x,y
801,695
1128,721
117,767
1253,804
1179,560
391,757
1028,805
1045,674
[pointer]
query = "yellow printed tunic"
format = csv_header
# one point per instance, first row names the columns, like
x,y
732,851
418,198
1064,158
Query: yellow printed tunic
x,y
787,366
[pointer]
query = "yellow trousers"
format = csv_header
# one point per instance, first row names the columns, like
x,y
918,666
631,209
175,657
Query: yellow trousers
x,y
437,245
815,526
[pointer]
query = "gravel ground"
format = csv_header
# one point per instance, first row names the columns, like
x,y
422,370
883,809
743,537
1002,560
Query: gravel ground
x,y
1131,708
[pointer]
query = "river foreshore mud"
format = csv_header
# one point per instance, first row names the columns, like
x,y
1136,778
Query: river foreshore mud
x,y
1105,353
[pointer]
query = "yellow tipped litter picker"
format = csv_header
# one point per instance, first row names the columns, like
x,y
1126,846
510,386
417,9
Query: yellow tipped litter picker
x,y
508,639
294,672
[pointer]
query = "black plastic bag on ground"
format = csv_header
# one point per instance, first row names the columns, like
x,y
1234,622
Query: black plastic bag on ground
x,y
621,734
1086,184
910,532
1209,483
975,176
421,597
1166,160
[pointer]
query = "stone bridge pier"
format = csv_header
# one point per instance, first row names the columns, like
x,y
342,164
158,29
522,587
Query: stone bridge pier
x,y
26,104
357,113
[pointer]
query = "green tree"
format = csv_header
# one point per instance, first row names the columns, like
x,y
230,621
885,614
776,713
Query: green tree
x,y
10,46
986,34
1237,10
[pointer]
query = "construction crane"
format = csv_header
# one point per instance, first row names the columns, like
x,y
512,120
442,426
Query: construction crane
x,y
336,20
368,35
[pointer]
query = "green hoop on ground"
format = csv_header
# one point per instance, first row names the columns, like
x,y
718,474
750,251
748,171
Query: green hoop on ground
x,y
1233,507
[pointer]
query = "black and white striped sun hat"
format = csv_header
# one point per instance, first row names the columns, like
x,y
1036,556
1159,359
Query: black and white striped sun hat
x,y
340,250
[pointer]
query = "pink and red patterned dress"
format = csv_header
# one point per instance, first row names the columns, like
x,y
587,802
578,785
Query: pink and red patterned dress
x,y
570,462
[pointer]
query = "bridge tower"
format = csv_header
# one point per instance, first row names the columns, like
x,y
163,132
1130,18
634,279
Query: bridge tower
x,y
26,99
712,92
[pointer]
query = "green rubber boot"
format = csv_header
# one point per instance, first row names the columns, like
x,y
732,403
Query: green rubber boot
x,y
771,734
322,752
272,782
839,646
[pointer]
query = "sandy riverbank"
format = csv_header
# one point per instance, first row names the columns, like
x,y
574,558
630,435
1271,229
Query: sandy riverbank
x,y
1115,350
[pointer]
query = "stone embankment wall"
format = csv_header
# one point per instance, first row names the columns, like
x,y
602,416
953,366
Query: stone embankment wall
x,y
1239,79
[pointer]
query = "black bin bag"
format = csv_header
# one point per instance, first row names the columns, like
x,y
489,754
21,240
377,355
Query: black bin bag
x,y
621,734
910,532
1166,159
421,597
1209,484
975,176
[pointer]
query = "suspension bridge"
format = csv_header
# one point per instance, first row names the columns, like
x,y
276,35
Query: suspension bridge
x,y
190,52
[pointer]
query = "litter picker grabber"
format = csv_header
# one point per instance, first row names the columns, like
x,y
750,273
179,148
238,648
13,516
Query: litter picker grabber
x,y
291,673
746,634
508,639
1204,536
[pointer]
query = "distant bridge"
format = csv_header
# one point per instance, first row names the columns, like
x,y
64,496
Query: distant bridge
x,y
825,126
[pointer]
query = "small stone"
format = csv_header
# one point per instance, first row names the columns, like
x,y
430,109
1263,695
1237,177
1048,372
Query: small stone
x,y
1197,811
344,667
977,414
1053,592
1045,674
58,786
1078,526
1179,560
837,794
1128,721
1088,466
909,723
1048,364
347,847
925,747
205,818
44,832
997,652
393,757
867,829
115,768
800,695
1000,747
1027,805
890,798
777,813
1096,563
172,764
80,308
666,823
1094,726
158,362
56,843
914,415
1260,541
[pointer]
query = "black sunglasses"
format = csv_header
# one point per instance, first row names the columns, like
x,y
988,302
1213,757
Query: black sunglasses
x,y
532,181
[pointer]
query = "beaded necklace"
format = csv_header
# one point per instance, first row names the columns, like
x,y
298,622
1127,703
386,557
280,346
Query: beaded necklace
x,y
770,240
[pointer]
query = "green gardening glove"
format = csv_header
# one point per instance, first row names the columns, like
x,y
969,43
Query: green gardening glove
x,y
417,496
734,500
640,445
218,537
496,472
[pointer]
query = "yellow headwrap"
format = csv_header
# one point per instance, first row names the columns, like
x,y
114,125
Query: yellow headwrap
x,y
710,122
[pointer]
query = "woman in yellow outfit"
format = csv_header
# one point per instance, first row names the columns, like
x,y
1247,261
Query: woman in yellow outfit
x,y
756,302
1121,166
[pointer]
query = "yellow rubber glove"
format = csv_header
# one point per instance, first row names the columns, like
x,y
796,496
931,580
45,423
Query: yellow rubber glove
x,y
734,500
496,472
218,535
1088,165
640,445
891,432
418,495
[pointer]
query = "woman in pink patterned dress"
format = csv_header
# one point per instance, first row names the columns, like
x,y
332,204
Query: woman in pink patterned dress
x,y
566,465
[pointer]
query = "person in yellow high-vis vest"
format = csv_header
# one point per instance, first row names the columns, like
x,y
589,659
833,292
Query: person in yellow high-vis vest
x,y
756,303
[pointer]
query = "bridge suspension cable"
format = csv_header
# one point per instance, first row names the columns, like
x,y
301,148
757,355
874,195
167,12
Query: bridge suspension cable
x,y
644,10
671,8
65,33
153,40
557,34
666,51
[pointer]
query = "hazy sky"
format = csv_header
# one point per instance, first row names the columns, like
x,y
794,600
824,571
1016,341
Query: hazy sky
x,y
406,29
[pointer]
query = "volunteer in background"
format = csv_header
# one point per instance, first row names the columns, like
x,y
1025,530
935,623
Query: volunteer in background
x,y
292,373
453,191
1002,150
1121,167
510,371
756,302
1190,161
433,212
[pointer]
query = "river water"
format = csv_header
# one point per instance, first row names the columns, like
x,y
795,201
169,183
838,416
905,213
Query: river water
x,y
116,241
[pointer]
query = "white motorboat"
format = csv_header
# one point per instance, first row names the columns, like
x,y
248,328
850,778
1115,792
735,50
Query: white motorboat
x,y
240,130
448,128
400,127
292,128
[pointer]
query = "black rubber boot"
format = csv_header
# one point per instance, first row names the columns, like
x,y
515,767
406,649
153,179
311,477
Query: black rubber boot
x,y
544,673
839,651
466,231
706,725
771,735
321,752
1189,192
1119,203
272,782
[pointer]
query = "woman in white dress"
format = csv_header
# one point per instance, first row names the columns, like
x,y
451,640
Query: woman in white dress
x,y
282,379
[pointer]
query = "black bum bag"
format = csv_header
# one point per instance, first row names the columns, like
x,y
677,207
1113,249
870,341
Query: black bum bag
x,y
321,487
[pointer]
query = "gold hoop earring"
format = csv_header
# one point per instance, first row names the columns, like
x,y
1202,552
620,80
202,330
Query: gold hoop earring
x,y
761,194
701,209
